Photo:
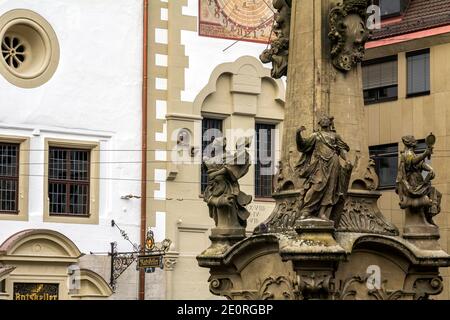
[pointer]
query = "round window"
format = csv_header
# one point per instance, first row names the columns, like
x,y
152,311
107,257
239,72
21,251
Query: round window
x,y
30,49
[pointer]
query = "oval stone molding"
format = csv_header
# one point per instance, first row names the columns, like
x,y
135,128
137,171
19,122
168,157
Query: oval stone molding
x,y
30,48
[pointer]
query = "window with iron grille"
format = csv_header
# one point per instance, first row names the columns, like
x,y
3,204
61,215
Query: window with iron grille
x,y
380,80
418,73
69,181
265,134
9,178
386,164
211,128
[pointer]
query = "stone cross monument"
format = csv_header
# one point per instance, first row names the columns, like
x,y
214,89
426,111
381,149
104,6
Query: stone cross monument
x,y
326,238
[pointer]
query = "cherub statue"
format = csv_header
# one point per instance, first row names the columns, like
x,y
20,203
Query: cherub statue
x,y
225,200
325,180
415,190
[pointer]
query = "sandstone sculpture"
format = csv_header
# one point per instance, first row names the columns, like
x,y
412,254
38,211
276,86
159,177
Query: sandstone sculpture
x,y
225,200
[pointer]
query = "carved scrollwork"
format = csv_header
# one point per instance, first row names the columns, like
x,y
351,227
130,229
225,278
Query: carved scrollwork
x,y
280,288
169,263
356,288
271,288
283,217
315,285
348,33
363,215
221,287
424,287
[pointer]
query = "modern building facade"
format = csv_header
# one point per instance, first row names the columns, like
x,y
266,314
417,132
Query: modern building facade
x,y
407,92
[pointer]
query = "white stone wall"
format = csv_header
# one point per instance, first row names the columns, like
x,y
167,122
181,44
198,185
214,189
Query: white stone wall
x,y
95,95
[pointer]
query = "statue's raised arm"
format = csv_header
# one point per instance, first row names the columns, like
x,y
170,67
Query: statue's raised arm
x,y
226,201
420,199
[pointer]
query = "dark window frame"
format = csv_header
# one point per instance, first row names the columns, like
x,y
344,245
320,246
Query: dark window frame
x,y
260,189
203,173
378,152
69,182
414,54
379,98
13,178
403,5
3,286
378,90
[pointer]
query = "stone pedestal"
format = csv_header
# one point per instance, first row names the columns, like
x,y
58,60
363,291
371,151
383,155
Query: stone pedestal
x,y
314,265
361,214
418,231
314,254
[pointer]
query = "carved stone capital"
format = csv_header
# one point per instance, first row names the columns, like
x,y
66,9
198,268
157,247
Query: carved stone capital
x,y
315,284
170,260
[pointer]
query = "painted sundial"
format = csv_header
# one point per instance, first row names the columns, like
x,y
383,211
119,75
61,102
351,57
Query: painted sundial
x,y
248,20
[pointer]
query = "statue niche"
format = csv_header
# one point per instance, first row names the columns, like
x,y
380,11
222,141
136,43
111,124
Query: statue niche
x,y
226,202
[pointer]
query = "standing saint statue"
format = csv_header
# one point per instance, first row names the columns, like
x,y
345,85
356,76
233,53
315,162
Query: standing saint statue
x,y
325,180
415,190
225,200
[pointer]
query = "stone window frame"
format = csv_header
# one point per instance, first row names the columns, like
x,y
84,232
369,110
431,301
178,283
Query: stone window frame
x,y
94,190
23,189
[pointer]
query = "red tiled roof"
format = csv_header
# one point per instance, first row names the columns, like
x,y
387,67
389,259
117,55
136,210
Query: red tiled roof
x,y
419,15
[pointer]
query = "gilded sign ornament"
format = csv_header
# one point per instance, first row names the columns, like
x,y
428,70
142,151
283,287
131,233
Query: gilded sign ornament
x,y
348,33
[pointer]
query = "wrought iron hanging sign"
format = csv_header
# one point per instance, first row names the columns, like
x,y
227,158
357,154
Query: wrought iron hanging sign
x,y
150,257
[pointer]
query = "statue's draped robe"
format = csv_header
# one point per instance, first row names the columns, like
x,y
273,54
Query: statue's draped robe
x,y
224,171
412,185
325,180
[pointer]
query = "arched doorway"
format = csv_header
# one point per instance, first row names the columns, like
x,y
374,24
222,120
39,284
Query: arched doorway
x,y
40,264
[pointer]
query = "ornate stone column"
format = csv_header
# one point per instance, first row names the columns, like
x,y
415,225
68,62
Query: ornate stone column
x,y
315,84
